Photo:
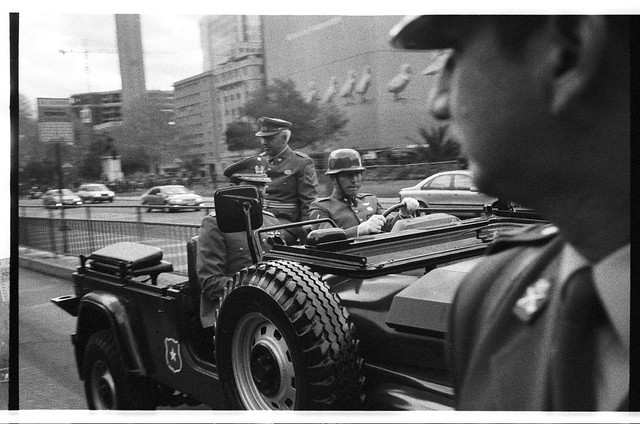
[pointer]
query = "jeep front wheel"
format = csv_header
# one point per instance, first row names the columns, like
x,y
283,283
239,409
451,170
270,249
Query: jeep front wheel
x,y
283,342
106,383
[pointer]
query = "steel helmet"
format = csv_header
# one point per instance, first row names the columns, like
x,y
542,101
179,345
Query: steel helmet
x,y
343,160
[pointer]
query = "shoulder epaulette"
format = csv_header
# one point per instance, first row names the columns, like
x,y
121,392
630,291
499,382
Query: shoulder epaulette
x,y
361,195
266,212
322,199
532,236
212,214
302,155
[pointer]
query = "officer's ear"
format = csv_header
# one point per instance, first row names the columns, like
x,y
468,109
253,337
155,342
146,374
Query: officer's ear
x,y
577,48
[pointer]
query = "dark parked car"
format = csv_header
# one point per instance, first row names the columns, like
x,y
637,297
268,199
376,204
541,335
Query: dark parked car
x,y
95,193
53,199
170,197
454,190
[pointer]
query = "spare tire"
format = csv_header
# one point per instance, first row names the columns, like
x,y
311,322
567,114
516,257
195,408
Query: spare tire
x,y
284,342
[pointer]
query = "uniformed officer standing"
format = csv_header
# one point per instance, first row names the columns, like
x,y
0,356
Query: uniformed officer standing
x,y
357,213
293,183
540,105
221,255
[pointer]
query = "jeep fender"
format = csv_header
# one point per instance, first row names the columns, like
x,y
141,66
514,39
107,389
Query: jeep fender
x,y
100,310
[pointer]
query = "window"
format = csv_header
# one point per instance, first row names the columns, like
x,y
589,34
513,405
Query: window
x,y
442,182
463,182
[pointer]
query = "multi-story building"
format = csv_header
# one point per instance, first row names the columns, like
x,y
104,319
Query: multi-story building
x,y
226,37
99,112
207,103
337,55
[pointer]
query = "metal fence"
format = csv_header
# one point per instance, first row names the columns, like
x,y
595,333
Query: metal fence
x,y
75,236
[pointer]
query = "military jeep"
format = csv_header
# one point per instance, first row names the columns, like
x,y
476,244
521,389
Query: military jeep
x,y
334,323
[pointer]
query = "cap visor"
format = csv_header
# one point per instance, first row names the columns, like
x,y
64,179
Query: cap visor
x,y
430,32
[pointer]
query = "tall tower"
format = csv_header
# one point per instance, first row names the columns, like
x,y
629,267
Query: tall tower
x,y
131,58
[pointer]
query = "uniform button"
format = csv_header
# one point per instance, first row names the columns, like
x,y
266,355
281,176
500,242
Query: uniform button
x,y
361,219
356,210
242,248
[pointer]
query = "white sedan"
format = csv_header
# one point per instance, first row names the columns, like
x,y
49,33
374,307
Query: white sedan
x,y
452,190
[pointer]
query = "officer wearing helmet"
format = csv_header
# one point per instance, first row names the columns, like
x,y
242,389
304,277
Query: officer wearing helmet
x,y
357,213
293,176
221,255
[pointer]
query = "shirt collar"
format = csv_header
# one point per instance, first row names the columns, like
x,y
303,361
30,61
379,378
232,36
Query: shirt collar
x,y
612,278
284,153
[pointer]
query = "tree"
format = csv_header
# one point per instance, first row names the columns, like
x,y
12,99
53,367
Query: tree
x,y
438,146
147,136
28,143
312,124
192,165
240,135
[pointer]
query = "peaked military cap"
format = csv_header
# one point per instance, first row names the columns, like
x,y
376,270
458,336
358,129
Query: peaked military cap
x,y
251,169
429,32
271,126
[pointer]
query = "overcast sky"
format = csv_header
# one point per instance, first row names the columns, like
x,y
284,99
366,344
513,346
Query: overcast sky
x,y
171,44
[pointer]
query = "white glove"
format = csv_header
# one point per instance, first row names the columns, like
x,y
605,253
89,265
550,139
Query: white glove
x,y
371,225
410,205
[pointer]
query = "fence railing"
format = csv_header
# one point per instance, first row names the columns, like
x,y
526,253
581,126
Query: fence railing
x,y
74,236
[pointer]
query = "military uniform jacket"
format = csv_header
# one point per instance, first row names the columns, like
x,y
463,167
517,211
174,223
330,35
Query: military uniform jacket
x,y
293,185
347,215
220,256
499,350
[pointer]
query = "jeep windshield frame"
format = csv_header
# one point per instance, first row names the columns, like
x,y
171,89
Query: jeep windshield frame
x,y
397,252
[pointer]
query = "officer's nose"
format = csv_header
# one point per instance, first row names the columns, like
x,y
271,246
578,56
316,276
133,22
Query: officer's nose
x,y
439,103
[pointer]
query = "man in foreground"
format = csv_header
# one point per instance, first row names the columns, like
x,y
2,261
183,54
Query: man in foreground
x,y
540,105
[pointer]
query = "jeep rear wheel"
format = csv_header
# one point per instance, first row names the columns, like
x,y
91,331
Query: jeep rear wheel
x,y
284,342
106,382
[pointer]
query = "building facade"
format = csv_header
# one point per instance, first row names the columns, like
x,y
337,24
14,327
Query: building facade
x,y
225,37
207,103
347,60
99,113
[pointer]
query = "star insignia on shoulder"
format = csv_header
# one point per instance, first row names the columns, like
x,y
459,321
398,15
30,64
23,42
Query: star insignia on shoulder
x,y
533,300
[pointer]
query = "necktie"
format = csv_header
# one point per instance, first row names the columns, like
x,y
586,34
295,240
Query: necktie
x,y
572,369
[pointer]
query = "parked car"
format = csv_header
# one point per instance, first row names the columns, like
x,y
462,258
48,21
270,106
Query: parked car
x,y
35,193
171,197
53,199
453,190
95,193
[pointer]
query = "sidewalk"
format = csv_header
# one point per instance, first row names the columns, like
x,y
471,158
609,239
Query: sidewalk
x,y
59,266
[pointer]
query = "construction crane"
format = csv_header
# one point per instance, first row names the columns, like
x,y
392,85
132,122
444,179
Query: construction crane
x,y
86,52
